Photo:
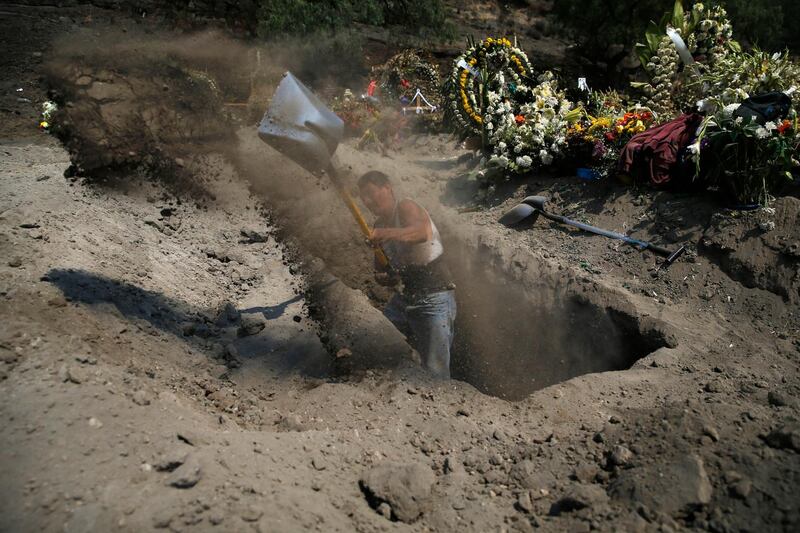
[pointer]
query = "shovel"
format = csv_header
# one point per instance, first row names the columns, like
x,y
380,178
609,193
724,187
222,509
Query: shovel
x,y
534,205
301,127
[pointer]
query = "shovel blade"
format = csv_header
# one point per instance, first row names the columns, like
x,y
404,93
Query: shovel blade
x,y
517,214
300,126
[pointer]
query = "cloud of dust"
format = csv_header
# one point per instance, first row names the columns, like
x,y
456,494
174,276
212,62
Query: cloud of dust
x,y
135,100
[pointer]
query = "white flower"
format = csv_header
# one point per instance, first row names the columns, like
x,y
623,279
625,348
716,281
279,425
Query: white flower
x,y
762,133
706,106
501,145
524,161
769,126
489,126
694,149
738,120
545,157
729,109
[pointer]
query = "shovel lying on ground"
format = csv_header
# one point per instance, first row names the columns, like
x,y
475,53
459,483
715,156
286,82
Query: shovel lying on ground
x,y
534,205
301,127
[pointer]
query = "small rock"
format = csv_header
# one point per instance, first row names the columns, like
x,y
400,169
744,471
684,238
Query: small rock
x,y
498,435
95,423
620,456
292,423
385,510
227,314
68,374
140,397
714,386
785,437
343,352
162,519
319,463
171,460
524,501
405,487
711,431
15,262
453,465
778,399
585,472
86,359
187,475
8,356
216,518
740,489
462,412
250,325
579,497
669,487
251,513
57,301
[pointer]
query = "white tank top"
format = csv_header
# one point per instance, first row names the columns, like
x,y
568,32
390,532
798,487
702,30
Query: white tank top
x,y
402,254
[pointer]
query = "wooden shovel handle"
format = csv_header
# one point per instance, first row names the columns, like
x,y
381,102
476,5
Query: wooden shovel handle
x,y
380,255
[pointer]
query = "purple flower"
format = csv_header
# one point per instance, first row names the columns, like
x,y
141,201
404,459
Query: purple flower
x,y
599,150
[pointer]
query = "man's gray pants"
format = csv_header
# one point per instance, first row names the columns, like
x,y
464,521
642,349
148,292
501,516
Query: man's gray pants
x,y
427,320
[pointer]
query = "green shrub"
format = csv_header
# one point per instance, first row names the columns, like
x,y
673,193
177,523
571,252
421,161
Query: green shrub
x,y
303,17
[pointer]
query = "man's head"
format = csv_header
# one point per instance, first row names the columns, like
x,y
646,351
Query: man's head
x,y
376,193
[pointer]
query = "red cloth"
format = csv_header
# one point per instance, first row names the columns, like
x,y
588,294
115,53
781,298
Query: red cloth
x,y
653,154
371,88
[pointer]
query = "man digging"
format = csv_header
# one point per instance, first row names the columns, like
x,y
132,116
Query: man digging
x,y
425,309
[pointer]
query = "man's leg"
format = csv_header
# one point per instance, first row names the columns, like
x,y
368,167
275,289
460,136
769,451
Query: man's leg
x,y
395,311
431,320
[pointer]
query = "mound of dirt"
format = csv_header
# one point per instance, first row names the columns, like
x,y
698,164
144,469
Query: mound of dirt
x,y
124,106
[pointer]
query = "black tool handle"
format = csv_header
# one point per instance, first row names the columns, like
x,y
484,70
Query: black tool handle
x,y
659,250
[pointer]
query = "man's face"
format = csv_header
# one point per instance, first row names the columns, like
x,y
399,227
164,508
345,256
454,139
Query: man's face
x,y
379,200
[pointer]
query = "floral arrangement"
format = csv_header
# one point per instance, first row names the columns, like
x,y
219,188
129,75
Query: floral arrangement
x,y
736,77
357,114
605,127
707,35
490,67
406,72
747,161
532,133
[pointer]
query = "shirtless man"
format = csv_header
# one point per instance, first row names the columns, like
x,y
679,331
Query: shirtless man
x,y
425,310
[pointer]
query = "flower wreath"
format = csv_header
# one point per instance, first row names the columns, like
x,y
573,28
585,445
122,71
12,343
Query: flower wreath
x,y
493,65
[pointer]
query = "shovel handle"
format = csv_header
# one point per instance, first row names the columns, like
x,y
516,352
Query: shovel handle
x,y
380,255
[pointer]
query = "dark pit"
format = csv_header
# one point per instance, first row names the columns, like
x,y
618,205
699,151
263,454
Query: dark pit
x,y
516,334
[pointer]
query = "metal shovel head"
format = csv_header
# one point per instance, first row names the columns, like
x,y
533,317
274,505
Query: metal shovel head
x,y
300,126
517,214
535,201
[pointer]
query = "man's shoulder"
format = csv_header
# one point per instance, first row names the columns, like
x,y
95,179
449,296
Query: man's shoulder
x,y
407,204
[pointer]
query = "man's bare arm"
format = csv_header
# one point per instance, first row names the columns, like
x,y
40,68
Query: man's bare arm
x,y
416,226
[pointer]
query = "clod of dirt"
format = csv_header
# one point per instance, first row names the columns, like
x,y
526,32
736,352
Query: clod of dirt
x,y
351,323
251,325
405,488
187,475
785,437
670,488
579,497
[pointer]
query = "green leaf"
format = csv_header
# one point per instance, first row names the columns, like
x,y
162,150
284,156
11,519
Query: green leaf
x,y
574,115
643,53
677,15
653,34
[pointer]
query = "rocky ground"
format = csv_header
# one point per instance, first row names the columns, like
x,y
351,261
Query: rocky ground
x,y
172,356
